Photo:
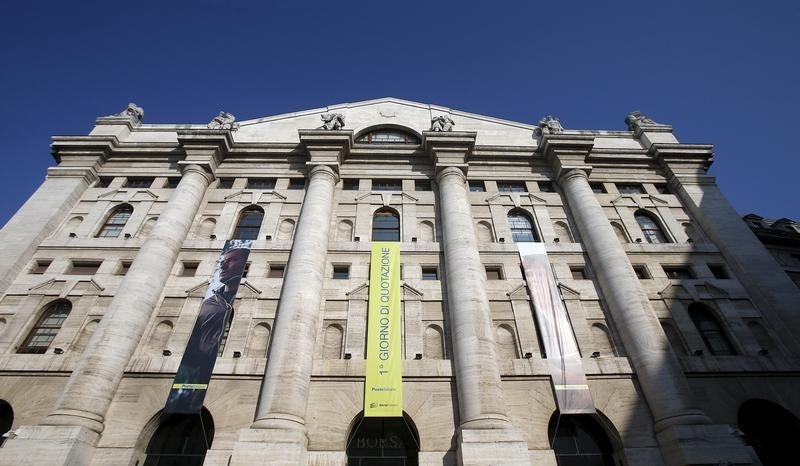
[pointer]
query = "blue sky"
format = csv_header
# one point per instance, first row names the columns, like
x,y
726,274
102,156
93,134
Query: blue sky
x,y
720,72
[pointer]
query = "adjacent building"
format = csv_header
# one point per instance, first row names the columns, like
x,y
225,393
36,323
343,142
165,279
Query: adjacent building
x,y
684,326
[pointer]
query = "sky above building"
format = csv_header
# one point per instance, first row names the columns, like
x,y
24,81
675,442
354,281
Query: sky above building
x,y
725,73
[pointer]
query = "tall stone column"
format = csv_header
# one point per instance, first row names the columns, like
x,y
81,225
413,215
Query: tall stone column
x,y
79,159
486,436
771,290
278,435
685,433
70,432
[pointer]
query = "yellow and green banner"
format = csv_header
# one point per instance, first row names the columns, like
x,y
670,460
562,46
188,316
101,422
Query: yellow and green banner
x,y
383,391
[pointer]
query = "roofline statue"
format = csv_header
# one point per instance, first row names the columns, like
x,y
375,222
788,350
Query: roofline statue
x,y
332,121
224,120
442,123
549,125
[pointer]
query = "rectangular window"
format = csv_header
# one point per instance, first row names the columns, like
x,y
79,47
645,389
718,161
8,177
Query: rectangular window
x,y
189,269
430,273
104,181
124,266
678,272
546,187
297,183
719,271
387,185
494,272
511,187
225,183
261,183
630,189
641,272
341,272
662,189
598,188
84,267
246,269
477,186
172,182
139,182
578,272
422,185
276,270
40,266
350,184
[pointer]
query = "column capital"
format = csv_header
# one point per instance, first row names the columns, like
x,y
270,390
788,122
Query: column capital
x,y
323,170
449,149
326,147
566,152
451,171
203,168
571,173
205,147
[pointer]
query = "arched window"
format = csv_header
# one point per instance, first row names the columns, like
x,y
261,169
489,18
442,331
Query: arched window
x,y
116,222
386,225
650,229
710,330
46,328
249,223
770,429
521,227
388,136
382,440
332,342
579,439
259,341
181,439
433,344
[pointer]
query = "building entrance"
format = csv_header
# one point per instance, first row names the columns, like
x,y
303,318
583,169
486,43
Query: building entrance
x,y
383,442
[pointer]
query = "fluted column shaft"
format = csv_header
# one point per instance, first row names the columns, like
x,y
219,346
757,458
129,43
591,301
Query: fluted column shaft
x,y
480,395
94,381
658,371
284,392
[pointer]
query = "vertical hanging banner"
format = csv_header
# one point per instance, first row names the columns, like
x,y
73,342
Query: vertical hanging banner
x,y
563,357
383,390
191,381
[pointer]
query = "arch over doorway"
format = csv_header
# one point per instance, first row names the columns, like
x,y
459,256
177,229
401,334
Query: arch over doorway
x,y
180,439
770,429
382,441
583,439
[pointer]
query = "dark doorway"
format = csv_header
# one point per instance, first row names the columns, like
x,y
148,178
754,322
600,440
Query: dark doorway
x,y
579,440
6,419
181,440
377,441
770,429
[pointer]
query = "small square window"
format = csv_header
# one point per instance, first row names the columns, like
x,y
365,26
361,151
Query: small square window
x,y
297,183
387,185
430,273
172,182
422,185
494,272
641,272
578,272
225,183
719,271
246,269
104,181
84,267
189,269
477,186
124,266
662,189
276,270
40,266
511,187
678,272
341,272
261,183
139,182
630,189
546,187
598,188
350,184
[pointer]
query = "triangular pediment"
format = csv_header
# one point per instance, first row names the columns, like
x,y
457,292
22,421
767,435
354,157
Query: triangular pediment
x,y
247,290
199,290
675,291
387,111
359,292
410,293
567,292
520,292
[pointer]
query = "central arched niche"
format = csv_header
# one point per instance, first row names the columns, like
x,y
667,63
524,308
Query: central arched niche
x,y
382,441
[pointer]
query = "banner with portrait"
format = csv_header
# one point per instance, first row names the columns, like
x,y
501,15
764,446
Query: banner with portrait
x,y
563,358
383,390
194,372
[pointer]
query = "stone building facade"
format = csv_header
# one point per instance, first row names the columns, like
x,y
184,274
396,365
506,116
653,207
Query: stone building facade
x,y
686,325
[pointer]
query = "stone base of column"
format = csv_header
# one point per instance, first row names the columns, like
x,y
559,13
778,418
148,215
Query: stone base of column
x,y
492,446
51,445
703,444
274,446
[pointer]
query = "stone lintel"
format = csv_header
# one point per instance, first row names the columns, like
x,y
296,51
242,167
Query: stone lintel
x,y
205,147
566,152
326,147
449,149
